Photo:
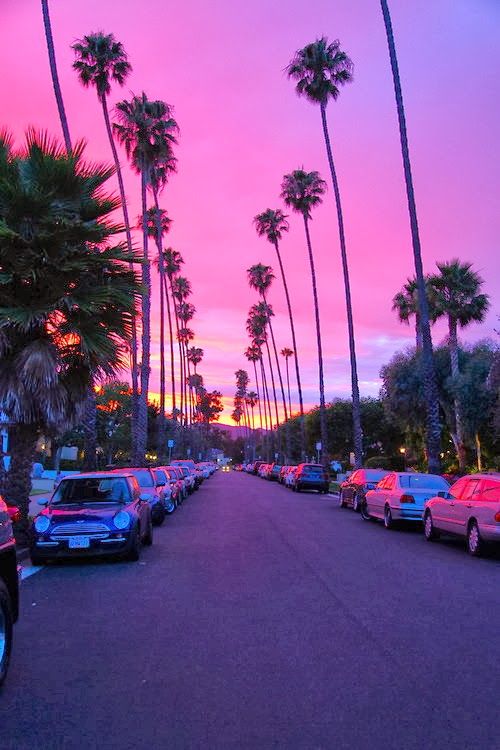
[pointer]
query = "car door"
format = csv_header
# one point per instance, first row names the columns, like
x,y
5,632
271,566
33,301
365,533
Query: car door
x,y
377,497
445,511
463,506
348,490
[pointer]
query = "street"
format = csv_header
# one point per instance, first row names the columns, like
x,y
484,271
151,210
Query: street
x,y
260,618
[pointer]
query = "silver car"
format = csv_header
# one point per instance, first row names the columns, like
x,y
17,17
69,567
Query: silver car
x,y
400,496
470,509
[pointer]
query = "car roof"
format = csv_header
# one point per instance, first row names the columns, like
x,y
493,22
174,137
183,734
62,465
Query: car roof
x,y
100,474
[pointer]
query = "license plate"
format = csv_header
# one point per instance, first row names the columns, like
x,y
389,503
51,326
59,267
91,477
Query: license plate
x,y
79,542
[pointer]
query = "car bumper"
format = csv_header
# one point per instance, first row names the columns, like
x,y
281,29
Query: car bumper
x,y
408,513
52,549
322,486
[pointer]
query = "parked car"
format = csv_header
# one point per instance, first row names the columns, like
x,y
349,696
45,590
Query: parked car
x,y
256,466
104,513
176,484
166,492
179,474
290,477
400,496
274,472
469,509
353,490
188,467
311,477
9,589
151,488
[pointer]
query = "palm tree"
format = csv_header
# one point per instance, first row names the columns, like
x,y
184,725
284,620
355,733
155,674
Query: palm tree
x,y
53,73
67,299
181,290
287,353
302,191
272,223
458,297
262,313
260,277
147,130
101,59
405,303
173,261
253,354
320,69
433,428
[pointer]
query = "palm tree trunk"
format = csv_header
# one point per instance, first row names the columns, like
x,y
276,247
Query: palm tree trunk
x,y
142,415
17,484
162,428
418,333
455,374
267,409
294,341
433,427
171,336
356,408
322,408
258,392
55,77
274,395
288,386
128,234
478,452
89,423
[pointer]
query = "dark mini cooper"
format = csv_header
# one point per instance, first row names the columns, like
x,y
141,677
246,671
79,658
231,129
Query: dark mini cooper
x,y
93,514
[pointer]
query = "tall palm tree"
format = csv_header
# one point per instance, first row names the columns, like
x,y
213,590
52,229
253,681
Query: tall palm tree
x,y
253,354
262,313
147,131
272,223
320,69
458,297
172,263
67,325
100,59
181,290
53,72
286,352
405,303
302,191
433,427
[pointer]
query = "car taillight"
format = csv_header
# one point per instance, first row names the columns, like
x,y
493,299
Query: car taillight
x,y
407,499
497,516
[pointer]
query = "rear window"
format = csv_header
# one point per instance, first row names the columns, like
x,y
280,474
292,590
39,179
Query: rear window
x,y
372,475
313,470
422,482
491,490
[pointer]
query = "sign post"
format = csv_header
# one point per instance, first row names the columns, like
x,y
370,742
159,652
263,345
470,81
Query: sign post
x,y
319,446
170,445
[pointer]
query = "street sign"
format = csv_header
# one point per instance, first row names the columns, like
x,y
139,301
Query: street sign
x,y
352,460
319,445
276,456
170,443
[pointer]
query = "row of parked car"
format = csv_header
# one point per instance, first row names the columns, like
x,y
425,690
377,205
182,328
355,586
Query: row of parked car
x,y
113,512
469,508
305,476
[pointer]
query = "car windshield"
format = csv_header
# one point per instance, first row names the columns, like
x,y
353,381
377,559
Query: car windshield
x,y
91,490
372,475
422,482
144,478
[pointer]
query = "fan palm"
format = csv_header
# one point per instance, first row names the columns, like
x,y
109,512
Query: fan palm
x,y
67,300
458,297
433,427
100,59
253,354
53,72
320,69
287,353
148,132
303,191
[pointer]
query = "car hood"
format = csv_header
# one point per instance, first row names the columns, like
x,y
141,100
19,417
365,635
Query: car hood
x,y
72,512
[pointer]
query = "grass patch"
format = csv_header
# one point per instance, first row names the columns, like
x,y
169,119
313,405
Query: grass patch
x,y
334,486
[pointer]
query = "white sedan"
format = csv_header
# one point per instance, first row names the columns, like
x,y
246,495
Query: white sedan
x,y
400,496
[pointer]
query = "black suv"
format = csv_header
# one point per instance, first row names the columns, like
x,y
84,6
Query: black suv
x,y
9,589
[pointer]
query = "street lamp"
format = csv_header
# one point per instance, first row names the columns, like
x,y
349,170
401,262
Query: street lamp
x,y
402,450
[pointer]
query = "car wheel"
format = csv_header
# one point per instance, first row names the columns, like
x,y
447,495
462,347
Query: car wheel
x,y
364,512
135,548
36,560
355,503
148,538
171,506
430,532
159,516
6,630
475,545
388,519
342,501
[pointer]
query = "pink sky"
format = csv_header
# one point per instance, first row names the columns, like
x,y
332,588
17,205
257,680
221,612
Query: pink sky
x,y
220,64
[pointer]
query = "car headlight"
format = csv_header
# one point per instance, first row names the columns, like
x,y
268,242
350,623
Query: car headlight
x,y
42,523
121,520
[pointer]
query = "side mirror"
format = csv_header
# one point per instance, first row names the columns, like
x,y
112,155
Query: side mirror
x,y
160,484
42,501
144,496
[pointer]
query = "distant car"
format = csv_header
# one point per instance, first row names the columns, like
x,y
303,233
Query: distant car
x,y
353,490
274,473
400,496
311,477
166,491
226,468
289,480
469,509
104,513
9,589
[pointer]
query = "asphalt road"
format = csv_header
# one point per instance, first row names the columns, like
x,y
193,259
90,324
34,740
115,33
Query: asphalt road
x,y
260,619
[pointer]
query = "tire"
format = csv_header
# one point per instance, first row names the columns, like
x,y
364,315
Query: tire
x,y
475,545
36,560
6,631
172,505
364,512
356,503
342,501
430,532
135,550
294,488
159,516
297,488
388,519
148,538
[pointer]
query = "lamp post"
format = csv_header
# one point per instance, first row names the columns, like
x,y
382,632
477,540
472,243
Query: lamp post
x,y
402,450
